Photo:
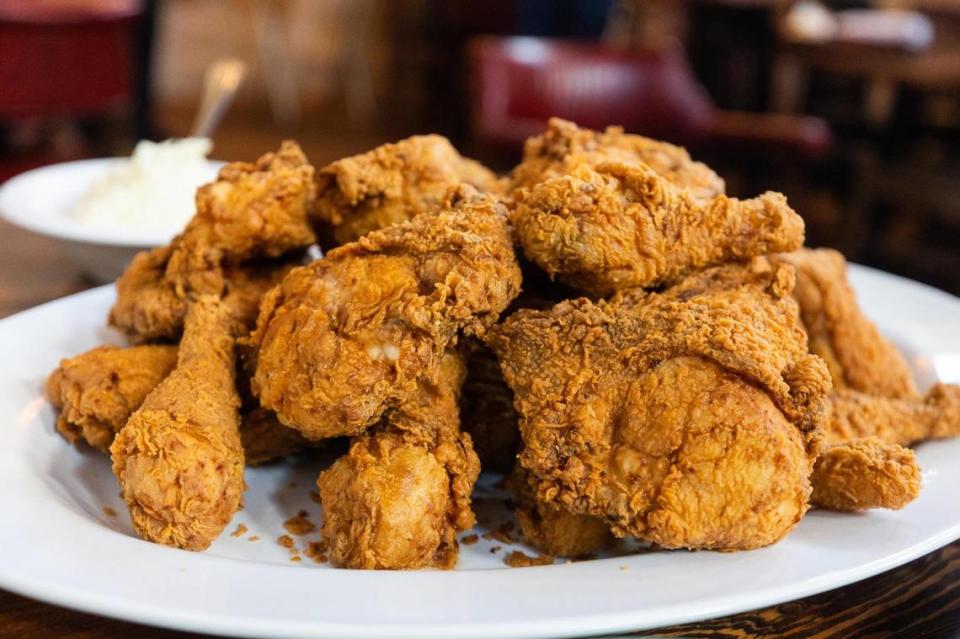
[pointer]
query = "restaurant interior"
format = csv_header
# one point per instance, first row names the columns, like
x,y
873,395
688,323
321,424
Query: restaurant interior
x,y
849,107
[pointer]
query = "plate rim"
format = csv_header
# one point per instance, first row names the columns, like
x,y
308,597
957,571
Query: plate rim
x,y
135,611
52,225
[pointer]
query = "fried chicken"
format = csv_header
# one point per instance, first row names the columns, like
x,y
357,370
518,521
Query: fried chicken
x,y
249,218
852,416
393,183
563,147
265,439
615,226
688,418
97,391
859,357
486,410
349,336
402,493
550,529
179,459
251,211
863,474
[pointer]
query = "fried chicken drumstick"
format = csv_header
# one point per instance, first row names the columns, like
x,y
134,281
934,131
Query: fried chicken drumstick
x,y
688,418
616,226
398,498
97,391
349,336
178,459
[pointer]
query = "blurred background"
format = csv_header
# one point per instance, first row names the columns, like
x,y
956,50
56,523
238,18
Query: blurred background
x,y
850,107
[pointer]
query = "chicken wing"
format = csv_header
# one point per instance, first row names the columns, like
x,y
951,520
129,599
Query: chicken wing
x,y
249,217
393,183
615,226
347,337
402,493
179,459
689,418
858,356
563,147
865,473
97,391
852,416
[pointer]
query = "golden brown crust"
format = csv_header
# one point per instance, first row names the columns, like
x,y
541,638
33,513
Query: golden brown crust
x,y
398,498
863,474
392,184
97,391
615,226
178,459
552,530
250,216
689,418
563,146
346,338
852,416
858,356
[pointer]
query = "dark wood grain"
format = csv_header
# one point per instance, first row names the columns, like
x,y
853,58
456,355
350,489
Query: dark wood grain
x,y
921,599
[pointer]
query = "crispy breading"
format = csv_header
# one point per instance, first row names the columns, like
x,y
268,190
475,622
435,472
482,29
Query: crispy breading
x,y
858,356
179,459
553,530
393,183
865,473
251,216
97,391
398,498
349,336
852,416
690,418
563,146
615,226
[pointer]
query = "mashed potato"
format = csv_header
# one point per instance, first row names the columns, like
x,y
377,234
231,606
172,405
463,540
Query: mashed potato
x,y
154,190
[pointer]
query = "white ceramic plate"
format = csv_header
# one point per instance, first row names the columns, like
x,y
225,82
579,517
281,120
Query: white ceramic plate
x,y
41,200
58,545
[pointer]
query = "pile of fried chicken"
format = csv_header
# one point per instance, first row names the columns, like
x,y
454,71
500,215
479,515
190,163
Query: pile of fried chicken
x,y
643,355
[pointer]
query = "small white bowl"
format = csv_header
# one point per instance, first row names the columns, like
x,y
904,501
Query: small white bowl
x,y
41,201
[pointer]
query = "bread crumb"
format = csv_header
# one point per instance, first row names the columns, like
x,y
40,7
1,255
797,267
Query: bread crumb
x,y
285,540
314,496
501,534
299,525
295,558
109,512
469,540
239,530
495,550
253,538
518,559
317,550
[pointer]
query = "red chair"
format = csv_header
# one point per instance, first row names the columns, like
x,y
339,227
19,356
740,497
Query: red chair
x,y
64,59
518,83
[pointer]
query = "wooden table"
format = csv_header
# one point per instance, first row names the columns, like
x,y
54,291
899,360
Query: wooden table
x,y
921,599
